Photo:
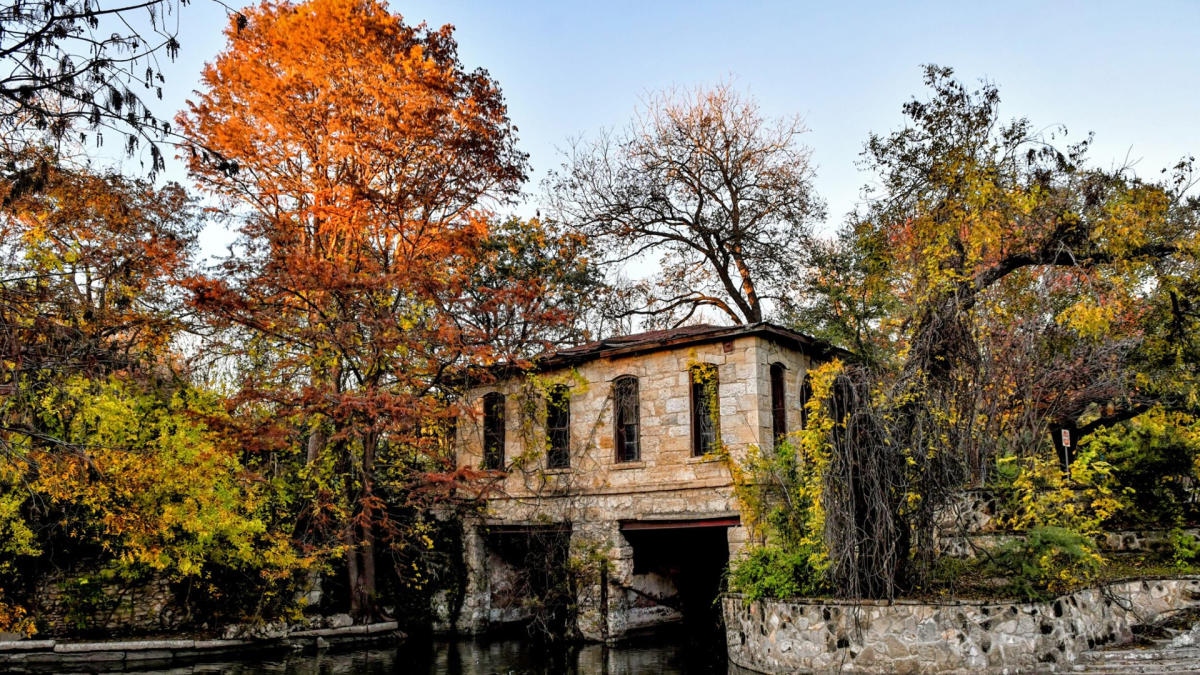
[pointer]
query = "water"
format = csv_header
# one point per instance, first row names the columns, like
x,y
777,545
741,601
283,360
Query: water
x,y
661,654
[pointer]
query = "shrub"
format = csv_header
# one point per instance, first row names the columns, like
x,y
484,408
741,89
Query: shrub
x,y
773,572
1154,455
1047,561
1185,548
1084,499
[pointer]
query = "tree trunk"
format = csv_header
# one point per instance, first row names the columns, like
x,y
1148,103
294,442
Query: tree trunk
x,y
315,442
360,560
367,577
357,605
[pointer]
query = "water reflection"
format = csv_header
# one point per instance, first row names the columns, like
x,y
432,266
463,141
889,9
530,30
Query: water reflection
x,y
663,654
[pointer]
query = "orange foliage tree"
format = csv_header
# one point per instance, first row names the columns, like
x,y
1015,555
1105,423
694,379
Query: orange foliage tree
x,y
360,158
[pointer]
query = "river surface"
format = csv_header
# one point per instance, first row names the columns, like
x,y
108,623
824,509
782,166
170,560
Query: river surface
x,y
660,654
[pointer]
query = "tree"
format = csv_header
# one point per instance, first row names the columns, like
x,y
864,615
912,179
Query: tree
x,y
701,179
67,62
370,276
86,267
150,489
559,287
107,461
1031,291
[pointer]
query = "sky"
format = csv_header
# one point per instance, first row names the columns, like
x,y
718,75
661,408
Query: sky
x,y
1128,71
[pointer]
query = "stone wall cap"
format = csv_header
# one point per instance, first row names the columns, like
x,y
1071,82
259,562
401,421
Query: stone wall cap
x,y
131,645
26,645
961,602
359,629
223,644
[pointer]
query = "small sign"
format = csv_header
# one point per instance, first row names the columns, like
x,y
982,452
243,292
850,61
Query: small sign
x,y
1066,438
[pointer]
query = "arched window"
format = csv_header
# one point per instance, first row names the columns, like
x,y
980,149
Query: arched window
x,y
806,393
706,409
625,419
558,427
493,431
778,404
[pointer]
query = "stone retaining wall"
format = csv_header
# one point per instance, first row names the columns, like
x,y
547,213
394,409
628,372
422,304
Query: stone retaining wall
x,y
67,603
772,636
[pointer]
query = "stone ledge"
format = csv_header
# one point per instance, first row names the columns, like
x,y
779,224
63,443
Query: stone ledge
x,y
26,645
362,629
625,466
968,602
611,491
130,645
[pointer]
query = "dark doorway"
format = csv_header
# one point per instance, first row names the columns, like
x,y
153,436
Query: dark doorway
x,y
693,555
530,580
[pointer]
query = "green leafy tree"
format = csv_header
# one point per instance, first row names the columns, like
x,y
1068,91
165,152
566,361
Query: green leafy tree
x,y
1029,292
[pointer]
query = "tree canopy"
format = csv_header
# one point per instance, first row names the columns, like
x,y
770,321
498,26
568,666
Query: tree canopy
x,y
996,287
721,195
69,65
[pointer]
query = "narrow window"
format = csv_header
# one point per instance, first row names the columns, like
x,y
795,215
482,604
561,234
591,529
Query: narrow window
x,y
493,431
625,419
805,397
778,407
558,427
706,411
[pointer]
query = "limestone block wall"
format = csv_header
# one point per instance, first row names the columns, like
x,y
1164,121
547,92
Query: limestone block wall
x,y
665,418
773,636
596,492
796,366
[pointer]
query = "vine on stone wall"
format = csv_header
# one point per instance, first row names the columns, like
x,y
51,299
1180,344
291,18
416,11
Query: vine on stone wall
x,y
782,493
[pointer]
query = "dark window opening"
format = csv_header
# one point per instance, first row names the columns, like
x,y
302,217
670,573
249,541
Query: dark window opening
x,y
558,427
805,396
625,419
706,410
493,431
778,406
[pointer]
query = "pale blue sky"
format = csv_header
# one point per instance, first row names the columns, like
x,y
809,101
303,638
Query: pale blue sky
x,y
1129,71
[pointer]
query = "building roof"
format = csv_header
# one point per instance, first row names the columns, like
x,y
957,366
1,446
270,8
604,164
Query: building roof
x,y
657,340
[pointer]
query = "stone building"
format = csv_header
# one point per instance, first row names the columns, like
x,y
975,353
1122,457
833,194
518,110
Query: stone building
x,y
613,458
